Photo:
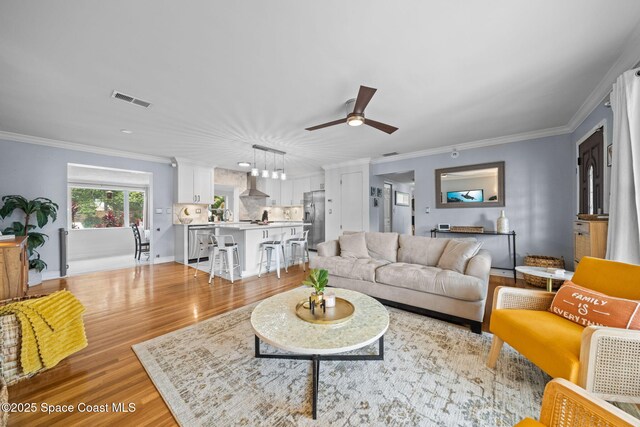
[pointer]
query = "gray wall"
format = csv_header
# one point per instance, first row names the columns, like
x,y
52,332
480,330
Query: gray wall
x,y
540,195
34,170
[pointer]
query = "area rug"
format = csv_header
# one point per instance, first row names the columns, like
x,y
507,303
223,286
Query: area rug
x,y
433,374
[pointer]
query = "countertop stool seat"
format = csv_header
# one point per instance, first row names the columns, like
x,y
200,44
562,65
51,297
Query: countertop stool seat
x,y
299,241
205,241
271,247
230,258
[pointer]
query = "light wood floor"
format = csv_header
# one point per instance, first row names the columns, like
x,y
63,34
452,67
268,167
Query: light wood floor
x,y
125,307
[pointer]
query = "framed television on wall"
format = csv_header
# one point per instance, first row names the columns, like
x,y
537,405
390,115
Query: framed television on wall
x,y
465,196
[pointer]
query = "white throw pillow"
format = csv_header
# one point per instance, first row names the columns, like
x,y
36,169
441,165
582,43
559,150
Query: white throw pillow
x,y
457,254
353,246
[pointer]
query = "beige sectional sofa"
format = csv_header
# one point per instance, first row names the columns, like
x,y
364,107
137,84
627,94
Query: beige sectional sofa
x,y
445,278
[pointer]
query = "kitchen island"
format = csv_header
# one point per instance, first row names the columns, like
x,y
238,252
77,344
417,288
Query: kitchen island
x,y
248,237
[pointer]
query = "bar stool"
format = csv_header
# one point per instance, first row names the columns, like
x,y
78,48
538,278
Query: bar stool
x,y
204,241
299,241
228,249
276,244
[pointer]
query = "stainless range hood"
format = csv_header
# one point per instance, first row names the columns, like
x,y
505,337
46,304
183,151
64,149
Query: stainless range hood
x,y
252,190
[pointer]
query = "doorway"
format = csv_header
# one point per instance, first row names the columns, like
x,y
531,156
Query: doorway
x,y
387,207
397,214
591,173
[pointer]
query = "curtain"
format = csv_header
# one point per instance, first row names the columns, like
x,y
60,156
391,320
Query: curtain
x,y
623,242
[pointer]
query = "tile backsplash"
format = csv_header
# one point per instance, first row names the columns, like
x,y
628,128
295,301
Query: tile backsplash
x,y
283,213
199,213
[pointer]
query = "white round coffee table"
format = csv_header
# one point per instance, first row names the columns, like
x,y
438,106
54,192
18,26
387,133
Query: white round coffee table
x,y
542,272
275,322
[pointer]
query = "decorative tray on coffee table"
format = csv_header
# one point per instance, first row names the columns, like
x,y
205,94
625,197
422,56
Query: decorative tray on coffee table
x,y
342,312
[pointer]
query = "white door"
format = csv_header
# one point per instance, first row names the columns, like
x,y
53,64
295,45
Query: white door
x,y
351,201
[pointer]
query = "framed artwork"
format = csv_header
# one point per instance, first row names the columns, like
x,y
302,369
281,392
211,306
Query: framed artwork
x,y
379,192
372,192
402,199
609,154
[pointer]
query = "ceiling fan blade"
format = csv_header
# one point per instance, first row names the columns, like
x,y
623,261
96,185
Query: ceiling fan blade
x,y
364,96
380,126
325,125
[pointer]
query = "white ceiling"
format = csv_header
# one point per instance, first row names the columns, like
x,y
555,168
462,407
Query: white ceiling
x,y
224,75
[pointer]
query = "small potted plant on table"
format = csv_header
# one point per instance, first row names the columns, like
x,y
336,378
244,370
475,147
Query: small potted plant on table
x,y
318,279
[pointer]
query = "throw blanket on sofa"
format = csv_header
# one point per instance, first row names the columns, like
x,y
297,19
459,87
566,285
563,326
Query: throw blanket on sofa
x,y
51,327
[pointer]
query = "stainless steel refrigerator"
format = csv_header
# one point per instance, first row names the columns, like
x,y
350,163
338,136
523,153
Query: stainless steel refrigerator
x,y
314,214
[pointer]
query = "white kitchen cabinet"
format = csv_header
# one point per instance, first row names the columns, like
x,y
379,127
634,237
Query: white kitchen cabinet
x,y
203,184
286,193
194,184
317,182
300,186
253,239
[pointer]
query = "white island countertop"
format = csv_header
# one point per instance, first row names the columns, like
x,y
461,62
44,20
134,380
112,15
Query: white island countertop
x,y
246,225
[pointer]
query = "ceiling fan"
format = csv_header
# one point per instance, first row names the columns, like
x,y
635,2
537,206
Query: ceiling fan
x,y
356,117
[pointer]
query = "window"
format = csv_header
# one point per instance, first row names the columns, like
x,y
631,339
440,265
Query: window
x,y
106,208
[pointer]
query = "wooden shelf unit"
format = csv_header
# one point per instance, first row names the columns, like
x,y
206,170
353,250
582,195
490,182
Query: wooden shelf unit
x,y
14,268
590,239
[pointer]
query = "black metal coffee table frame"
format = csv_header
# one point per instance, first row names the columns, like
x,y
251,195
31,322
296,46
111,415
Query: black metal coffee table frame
x,y
316,358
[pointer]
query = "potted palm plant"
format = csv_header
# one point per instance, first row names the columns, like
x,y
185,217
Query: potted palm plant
x,y
318,279
42,209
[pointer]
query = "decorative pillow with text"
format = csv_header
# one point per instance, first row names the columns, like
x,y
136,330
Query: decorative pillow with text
x,y
586,307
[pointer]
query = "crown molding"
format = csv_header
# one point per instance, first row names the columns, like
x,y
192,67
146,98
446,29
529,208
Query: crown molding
x,y
626,61
356,162
561,130
17,137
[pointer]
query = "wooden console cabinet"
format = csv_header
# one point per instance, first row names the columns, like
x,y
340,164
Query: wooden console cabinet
x,y
590,239
14,268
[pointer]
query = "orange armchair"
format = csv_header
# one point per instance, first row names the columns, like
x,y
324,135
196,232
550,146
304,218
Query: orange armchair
x,y
605,361
567,405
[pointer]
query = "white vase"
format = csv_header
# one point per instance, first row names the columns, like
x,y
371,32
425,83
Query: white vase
x,y
502,224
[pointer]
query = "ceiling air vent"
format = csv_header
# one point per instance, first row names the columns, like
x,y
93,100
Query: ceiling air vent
x,y
394,153
130,99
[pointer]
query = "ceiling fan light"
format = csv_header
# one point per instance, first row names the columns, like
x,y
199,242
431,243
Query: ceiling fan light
x,y
355,120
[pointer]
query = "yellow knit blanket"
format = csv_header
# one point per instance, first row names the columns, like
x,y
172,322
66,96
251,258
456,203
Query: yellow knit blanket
x,y
52,329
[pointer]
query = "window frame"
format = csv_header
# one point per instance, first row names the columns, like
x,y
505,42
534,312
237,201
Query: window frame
x,y
107,187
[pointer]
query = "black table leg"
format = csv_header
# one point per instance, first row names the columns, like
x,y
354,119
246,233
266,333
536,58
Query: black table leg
x,y
315,359
316,380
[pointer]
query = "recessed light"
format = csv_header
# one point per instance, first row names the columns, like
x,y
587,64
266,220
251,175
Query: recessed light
x,y
244,164
127,131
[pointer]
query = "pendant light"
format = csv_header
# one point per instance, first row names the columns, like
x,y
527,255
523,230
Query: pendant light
x,y
265,171
283,176
254,169
274,174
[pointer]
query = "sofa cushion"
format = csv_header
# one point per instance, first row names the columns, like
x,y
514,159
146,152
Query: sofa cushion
x,y
353,246
457,254
349,268
420,250
382,245
549,341
432,280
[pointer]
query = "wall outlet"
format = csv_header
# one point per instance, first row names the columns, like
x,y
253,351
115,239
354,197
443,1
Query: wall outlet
x,y
427,210
169,211
158,211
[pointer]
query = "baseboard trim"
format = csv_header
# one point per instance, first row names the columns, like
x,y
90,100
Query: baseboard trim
x,y
164,259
